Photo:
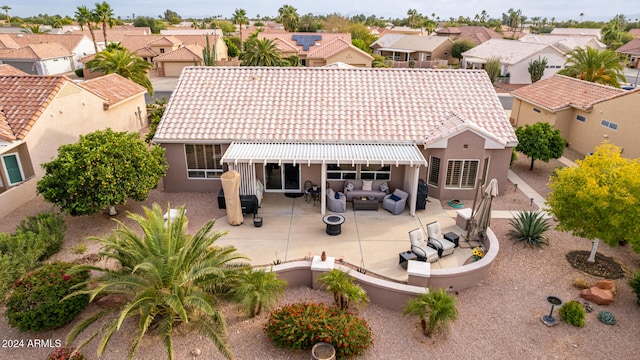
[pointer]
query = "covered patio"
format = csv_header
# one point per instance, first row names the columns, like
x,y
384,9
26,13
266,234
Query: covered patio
x,y
293,229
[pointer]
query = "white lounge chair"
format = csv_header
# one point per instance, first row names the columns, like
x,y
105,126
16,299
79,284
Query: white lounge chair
x,y
437,240
420,247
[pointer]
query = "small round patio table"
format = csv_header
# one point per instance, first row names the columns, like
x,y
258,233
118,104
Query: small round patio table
x,y
334,224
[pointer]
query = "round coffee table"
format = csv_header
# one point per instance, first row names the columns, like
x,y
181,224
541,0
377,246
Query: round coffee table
x,y
334,224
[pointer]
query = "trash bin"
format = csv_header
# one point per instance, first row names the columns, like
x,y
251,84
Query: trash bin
x,y
421,196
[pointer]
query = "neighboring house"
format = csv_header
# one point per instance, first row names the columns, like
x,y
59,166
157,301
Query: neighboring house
x,y
78,44
39,59
38,114
631,51
8,70
422,51
565,43
634,32
577,32
174,32
514,58
475,34
319,49
286,125
586,113
172,63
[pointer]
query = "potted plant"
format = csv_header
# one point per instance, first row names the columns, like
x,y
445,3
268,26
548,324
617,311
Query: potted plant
x,y
323,351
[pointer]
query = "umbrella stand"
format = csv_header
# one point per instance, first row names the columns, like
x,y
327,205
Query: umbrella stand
x,y
471,223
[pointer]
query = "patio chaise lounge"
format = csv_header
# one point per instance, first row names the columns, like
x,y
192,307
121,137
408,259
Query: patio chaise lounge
x,y
420,247
437,240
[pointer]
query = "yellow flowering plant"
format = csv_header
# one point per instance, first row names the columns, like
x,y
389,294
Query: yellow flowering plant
x,y
477,253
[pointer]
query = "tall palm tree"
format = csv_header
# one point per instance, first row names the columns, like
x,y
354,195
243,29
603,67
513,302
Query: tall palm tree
x,y
240,18
168,278
256,290
261,52
434,309
289,17
344,290
84,16
104,14
602,67
6,9
124,63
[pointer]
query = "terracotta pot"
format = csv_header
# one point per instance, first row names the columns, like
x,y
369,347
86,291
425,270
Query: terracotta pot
x,y
323,351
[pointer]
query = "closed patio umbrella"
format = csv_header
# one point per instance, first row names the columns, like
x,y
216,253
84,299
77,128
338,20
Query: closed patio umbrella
x,y
482,217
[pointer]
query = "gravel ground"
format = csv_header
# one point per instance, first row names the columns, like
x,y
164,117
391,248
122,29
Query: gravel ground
x,y
499,318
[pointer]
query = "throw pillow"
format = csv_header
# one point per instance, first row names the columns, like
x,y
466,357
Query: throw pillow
x,y
349,187
384,187
367,185
394,197
338,195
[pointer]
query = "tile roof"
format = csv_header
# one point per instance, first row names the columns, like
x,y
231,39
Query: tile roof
x,y
568,41
8,70
634,32
632,47
475,34
333,47
69,41
115,34
329,104
560,92
509,51
288,37
167,40
185,53
413,42
6,42
113,88
284,46
576,31
23,99
37,51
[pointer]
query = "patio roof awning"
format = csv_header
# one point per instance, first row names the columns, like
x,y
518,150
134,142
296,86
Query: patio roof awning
x,y
324,153
407,51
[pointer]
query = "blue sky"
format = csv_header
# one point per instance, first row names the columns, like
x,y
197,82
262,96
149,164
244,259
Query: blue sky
x,y
560,9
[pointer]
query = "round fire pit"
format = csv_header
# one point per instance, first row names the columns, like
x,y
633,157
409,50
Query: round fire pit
x,y
334,224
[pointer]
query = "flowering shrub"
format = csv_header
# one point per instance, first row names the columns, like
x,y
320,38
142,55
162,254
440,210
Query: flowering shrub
x,y
300,326
35,302
477,253
66,353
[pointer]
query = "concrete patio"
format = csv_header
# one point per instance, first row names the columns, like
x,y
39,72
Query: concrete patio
x,y
293,229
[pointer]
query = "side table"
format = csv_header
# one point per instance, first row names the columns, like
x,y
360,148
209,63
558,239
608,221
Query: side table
x,y
404,257
453,237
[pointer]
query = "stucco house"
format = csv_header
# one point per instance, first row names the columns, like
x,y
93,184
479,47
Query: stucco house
x,y
39,59
38,114
285,125
514,58
78,44
319,49
565,42
475,34
585,113
402,49
595,32
631,51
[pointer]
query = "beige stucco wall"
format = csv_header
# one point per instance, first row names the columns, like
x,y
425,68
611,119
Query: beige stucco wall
x,y
176,179
74,111
519,73
444,52
174,68
583,137
352,57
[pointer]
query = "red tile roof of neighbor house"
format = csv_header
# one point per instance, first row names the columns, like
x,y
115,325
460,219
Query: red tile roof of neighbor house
x,y
69,41
185,53
37,51
288,38
560,92
6,42
351,105
475,34
23,99
9,70
113,88
333,47
632,47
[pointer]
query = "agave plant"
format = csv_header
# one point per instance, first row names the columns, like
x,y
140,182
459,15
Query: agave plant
x,y
530,226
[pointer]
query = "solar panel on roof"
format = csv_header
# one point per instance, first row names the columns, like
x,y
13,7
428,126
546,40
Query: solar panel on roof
x,y
306,40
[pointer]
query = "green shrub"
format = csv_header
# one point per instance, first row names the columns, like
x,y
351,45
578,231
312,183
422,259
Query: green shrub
x,y
35,304
634,282
66,353
19,253
50,229
607,317
529,227
79,249
79,72
573,313
300,326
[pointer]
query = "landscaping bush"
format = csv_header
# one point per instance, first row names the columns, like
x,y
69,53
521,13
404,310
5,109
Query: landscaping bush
x,y
66,353
300,326
573,313
634,282
79,72
581,284
50,229
34,303
607,317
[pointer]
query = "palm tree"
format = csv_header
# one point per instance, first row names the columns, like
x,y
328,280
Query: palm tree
x,y
168,278
602,67
261,52
240,18
257,289
434,309
34,29
84,16
6,9
289,17
581,15
124,63
344,290
104,14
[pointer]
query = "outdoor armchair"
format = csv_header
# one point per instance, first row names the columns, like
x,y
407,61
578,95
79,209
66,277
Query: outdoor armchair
x,y
437,240
395,202
334,204
419,247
